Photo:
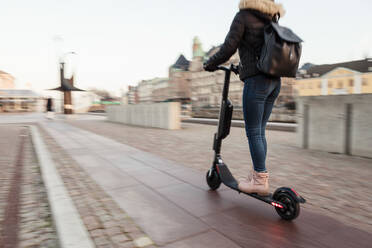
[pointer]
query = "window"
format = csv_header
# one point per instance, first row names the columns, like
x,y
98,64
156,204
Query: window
x,y
319,85
330,84
365,82
24,105
351,83
340,85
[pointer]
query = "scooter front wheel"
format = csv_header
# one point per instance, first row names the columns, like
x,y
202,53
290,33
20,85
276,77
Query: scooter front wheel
x,y
213,179
291,209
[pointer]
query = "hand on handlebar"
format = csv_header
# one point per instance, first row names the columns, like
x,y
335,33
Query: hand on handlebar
x,y
235,69
232,67
210,68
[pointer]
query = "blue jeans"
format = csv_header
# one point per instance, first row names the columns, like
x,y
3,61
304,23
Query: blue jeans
x,y
259,95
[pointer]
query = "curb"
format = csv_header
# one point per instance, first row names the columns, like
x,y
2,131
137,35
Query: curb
x,y
70,228
276,126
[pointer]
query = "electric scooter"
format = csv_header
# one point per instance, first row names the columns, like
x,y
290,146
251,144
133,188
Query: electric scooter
x,y
285,200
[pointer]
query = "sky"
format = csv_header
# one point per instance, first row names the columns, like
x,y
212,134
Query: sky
x,y
121,42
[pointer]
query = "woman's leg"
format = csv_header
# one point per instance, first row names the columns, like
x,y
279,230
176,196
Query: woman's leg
x,y
259,95
253,108
268,107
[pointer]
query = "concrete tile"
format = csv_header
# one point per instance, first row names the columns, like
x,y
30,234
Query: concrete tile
x,y
190,176
309,230
125,163
108,154
89,161
110,178
79,151
346,237
208,239
155,161
195,200
245,234
163,221
153,178
67,143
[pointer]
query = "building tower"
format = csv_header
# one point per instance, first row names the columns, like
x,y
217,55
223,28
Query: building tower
x,y
197,55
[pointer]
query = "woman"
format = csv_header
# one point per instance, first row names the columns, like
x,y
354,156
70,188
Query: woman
x,y
260,90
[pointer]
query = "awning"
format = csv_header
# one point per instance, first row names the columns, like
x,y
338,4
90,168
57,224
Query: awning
x,y
16,100
66,86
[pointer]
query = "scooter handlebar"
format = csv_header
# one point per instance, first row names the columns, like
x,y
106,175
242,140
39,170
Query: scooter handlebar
x,y
233,68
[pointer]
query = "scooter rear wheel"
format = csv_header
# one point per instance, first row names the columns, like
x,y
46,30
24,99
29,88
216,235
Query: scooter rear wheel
x,y
213,179
292,207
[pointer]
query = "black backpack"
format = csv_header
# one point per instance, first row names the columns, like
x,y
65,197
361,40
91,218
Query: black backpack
x,y
281,52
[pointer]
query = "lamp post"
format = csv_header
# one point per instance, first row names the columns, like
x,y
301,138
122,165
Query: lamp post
x,y
67,85
67,98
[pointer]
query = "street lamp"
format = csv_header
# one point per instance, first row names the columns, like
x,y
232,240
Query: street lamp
x,y
67,96
67,85
62,58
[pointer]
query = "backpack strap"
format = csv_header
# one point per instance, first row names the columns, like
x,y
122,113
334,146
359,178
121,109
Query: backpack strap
x,y
276,17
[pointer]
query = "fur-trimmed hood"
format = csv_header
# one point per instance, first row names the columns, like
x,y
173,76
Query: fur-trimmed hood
x,y
264,6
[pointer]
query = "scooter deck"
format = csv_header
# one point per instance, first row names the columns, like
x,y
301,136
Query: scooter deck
x,y
228,179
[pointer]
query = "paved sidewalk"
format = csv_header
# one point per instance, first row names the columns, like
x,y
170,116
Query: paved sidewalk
x,y
335,185
172,204
107,224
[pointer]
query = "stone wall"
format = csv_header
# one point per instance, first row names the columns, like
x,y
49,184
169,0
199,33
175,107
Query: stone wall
x,y
278,114
158,115
339,124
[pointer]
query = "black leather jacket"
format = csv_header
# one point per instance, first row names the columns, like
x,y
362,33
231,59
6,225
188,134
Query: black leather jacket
x,y
246,34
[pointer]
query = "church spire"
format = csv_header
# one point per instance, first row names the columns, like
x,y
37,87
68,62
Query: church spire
x,y
197,48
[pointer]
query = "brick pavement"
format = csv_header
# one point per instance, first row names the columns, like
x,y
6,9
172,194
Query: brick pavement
x,y
31,221
335,185
107,224
8,145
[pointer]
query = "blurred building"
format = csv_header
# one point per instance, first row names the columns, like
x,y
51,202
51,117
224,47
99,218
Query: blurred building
x,y
124,99
206,86
17,100
189,83
287,91
353,77
161,90
132,95
146,88
14,100
6,81
85,101
179,81
175,88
